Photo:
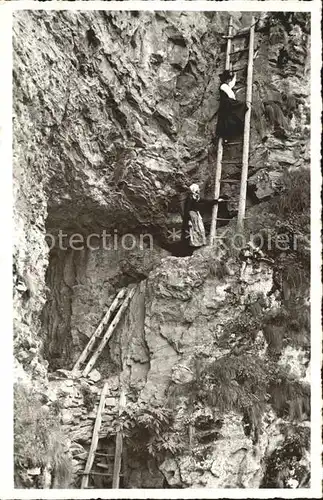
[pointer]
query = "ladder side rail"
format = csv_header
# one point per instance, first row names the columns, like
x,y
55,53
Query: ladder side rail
x,y
216,193
99,329
108,333
119,446
246,134
95,437
218,167
229,42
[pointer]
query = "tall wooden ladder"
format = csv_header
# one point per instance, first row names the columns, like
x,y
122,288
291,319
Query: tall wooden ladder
x,y
242,158
118,453
99,339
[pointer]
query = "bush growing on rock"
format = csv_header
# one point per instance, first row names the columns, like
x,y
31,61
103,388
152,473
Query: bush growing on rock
x,y
149,429
248,384
286,465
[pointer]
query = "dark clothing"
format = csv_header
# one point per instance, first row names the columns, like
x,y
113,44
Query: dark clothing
x,y
192,205
251,255
230,117
277,282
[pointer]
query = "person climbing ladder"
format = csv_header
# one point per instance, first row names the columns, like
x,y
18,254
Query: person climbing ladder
x,y
231,112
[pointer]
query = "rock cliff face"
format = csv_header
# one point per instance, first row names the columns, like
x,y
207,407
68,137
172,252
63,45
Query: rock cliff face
x,y
114,116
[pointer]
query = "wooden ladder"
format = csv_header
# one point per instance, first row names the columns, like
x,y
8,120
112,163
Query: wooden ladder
x,y
99,340
246,135
118,454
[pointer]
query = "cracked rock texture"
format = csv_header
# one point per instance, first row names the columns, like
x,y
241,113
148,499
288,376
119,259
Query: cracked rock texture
x,y
114,116
188,313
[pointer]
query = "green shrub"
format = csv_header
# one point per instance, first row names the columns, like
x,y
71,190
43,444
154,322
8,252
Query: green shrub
x,y
290,398
284,463
38,441
236,383
149,429
247,384
297,195
290,325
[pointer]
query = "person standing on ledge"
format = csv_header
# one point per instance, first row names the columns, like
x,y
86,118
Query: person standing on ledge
x,y
193,231
231,112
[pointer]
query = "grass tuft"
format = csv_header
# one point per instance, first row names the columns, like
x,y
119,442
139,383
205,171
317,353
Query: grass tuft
x,y
296,198
275,115
38,441
290,398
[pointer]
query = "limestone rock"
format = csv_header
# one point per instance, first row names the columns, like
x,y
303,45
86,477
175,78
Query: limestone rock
x,y
265,184
94,375
34,472
182,374
171,472
67,416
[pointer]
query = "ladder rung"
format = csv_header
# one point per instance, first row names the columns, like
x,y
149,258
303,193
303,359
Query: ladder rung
x,y
98,474
221,218
104,454
230,180
227,162
242,68
232,143
240,50
237,35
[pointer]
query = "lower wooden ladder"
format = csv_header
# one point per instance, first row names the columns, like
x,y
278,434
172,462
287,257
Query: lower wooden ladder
x,y
94,444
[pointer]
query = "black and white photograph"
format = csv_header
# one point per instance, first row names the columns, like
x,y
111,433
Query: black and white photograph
x,y
161,249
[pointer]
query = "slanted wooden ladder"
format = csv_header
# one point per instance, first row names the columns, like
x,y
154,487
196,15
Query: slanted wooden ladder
x,y
118,454
98,341
246,135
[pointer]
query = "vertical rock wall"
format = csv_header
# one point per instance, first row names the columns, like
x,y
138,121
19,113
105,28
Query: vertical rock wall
x,y
118,111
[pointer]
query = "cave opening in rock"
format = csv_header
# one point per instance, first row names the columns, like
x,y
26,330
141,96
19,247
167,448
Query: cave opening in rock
x,y
82,279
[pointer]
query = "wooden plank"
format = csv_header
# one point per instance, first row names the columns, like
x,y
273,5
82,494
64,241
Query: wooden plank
x,y
218,166
99,330
217,185
228,50
191,434
125,467
242,68
99,454
98,474
95,437
246,134
238,51
119,445
238,34
109,332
